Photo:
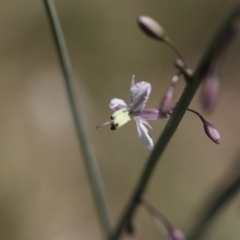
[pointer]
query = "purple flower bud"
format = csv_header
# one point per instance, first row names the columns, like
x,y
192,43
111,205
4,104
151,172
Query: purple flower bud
x,y
212,132
166,103
210,92
176,234
151,27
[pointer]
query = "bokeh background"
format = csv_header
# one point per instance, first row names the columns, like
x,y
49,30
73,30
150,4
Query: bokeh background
x,y
44,190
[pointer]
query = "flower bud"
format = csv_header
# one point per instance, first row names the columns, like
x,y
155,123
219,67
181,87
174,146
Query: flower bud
x,y
166,103
176,234
179,64
212,132
151,27
210,92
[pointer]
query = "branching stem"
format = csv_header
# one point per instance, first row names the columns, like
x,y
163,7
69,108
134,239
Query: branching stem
x,y
215,46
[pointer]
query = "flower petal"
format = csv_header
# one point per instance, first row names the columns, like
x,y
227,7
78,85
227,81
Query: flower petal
x,y
133,82
116,104
150,114
132,85
145,122
143,134
139,94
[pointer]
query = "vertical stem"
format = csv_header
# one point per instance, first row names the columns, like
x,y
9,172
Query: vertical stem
x,y
88,155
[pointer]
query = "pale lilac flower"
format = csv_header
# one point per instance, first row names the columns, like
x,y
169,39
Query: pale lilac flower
x,y
123,113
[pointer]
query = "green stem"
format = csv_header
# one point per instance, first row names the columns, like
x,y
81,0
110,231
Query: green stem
x,y
170,43
178,113
217,204
88,155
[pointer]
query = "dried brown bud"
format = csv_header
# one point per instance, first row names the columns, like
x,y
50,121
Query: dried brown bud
x,y
210,92
151,27
212,132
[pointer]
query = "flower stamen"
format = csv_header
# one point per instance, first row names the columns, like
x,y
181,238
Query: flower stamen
x,y
119,118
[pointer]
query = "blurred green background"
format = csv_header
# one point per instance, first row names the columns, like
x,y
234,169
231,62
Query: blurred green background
x,y
44,190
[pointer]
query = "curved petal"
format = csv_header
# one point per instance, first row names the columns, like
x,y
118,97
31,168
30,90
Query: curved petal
x,y
116,104
143,134
145,122
150,114
139,94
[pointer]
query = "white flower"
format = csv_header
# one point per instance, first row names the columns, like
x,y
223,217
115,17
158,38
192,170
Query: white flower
x,y
123,113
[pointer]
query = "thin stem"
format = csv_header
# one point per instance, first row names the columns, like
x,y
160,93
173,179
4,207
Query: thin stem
x,y
153,211
198,114
88,155
217,204
170,43
188,93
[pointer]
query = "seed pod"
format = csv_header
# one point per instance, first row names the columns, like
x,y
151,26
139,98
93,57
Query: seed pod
x,y
150,27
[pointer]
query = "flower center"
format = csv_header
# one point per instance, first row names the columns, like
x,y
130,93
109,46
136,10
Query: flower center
x,y
120,117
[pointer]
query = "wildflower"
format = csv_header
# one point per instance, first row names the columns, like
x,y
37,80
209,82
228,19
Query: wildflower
x,y
123,113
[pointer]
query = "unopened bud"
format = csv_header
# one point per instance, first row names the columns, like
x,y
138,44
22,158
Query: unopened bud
x,y
151,27
210,92
212,132
176,234
166,103
179,64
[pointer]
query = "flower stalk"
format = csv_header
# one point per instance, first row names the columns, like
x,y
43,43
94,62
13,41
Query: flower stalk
x,y
84,143
167,229
215,46
209,129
